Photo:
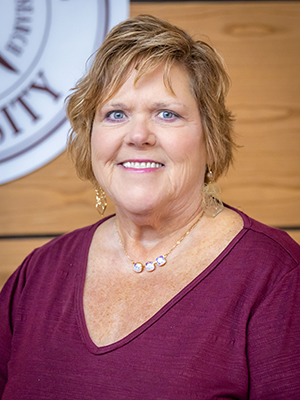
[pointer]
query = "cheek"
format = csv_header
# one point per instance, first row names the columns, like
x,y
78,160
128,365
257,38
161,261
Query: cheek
x,y
191,158
94,141
99,146
98,153
190,149
99,157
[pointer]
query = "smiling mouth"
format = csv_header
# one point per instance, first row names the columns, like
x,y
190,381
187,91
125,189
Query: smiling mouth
x,y
141,165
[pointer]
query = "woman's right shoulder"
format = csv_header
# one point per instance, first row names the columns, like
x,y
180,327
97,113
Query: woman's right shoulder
x,y
71,243
63,254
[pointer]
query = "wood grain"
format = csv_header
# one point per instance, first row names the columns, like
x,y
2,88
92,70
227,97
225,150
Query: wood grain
x,y
295,235
260,43
50,200
13,252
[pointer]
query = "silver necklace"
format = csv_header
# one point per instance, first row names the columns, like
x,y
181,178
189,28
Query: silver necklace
x,y
161,260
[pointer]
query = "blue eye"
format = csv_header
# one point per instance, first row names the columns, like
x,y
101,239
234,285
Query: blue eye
x,y
115,115
166,114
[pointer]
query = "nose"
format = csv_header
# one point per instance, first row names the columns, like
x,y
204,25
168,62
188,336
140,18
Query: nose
x,y
140,133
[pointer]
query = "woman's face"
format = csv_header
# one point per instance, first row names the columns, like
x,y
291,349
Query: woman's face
x,y
148,151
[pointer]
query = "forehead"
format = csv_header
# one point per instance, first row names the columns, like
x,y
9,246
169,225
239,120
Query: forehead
x,y
173,82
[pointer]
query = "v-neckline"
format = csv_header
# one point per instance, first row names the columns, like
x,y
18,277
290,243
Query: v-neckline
x,y
92,347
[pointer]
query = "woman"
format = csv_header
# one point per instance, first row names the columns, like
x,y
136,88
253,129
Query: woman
x,y
174,296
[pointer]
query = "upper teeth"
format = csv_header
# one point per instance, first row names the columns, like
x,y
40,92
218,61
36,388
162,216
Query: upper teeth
x,y
138,165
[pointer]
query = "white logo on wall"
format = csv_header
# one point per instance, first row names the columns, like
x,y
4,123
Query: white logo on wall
x,y
44,45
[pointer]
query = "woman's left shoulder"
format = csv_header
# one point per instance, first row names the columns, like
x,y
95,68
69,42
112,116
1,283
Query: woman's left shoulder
x,y
269,240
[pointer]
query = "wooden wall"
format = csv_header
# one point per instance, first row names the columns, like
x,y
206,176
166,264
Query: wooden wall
x,y
261,45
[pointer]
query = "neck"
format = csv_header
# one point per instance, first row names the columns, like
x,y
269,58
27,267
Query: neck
x,y
146,237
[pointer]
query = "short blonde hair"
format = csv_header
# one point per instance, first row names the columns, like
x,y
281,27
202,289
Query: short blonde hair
x,y
144,43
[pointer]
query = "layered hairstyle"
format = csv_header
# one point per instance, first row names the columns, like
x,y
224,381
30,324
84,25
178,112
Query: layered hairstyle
x,y
144,43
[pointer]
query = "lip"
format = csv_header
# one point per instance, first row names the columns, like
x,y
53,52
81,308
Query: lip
x,y
155,165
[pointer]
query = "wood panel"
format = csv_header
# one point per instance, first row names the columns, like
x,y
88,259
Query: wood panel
x,y
13,253
295,235
49,201
260,43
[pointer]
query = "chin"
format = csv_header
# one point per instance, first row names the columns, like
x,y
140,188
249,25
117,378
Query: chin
x,y
140,206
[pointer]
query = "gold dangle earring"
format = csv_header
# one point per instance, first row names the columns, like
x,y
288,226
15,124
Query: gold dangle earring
x,y
211,203
101,202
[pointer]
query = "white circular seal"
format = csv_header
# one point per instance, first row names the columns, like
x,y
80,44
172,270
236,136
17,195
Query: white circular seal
x,y
44,45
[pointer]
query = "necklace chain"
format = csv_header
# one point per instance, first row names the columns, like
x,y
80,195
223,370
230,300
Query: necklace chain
x,y
161,260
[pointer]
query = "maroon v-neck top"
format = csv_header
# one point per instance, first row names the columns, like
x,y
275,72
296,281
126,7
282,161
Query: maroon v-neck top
x,y
232,333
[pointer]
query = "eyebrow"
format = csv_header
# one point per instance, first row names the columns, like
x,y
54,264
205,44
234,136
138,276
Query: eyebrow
x,y
114,105
157,105
168,104
154,105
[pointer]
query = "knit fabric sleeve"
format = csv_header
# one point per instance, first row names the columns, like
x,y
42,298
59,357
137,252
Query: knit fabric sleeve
x,y
9,300
273,345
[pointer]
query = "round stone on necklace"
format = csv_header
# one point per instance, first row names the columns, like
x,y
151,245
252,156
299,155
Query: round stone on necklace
x,y
138,267
161,260
150,266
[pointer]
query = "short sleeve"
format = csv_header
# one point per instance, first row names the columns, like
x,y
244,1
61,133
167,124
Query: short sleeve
x,y
9,300
273,344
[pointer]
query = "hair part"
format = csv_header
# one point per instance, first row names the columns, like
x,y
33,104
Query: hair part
x,y
144,43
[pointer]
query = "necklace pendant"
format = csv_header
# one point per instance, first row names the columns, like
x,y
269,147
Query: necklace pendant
x,y
161,260
150,266
138,267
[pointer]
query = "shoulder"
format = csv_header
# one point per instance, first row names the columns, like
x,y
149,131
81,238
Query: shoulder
x,y
68,246
266,251
69,242
72,243
63,254
272,239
